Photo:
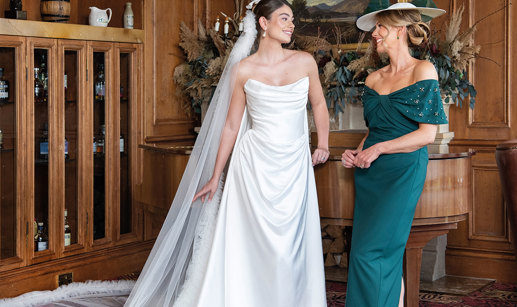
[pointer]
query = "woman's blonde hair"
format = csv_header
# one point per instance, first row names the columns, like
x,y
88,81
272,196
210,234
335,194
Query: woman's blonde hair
x,y
418,31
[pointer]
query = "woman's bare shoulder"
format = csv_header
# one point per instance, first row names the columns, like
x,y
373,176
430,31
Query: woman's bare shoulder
x,y
424,70
373,78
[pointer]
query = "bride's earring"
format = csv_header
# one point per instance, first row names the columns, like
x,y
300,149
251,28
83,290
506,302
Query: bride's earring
x,y
264,34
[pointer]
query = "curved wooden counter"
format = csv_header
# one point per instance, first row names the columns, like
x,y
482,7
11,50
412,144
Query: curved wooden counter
x,y
445,197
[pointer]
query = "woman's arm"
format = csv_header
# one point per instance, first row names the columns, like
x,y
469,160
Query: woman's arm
x,y
410,142
320,111
228,137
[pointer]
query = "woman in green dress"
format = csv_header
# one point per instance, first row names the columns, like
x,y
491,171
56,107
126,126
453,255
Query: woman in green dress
x,y
402,107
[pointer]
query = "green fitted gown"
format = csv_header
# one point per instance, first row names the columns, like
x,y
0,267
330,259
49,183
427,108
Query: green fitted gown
x,y
387,193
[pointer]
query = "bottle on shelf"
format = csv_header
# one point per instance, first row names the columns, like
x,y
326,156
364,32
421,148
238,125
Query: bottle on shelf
x,y
1,139
100,140
68,230
94,146
66,148
4,88
100,83
43,145
129,18
65,84
43,76
122,143
41,239
38,87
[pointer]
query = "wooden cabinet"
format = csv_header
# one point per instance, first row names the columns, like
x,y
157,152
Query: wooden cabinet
x,y
70,129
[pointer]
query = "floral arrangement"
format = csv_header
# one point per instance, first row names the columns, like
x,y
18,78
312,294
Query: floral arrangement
x,y
342,74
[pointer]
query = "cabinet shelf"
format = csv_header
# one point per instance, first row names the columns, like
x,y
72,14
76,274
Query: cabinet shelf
x,y
6,149
69,31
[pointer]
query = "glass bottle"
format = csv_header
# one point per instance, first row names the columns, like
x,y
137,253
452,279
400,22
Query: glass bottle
x,y
43,145
94,146
4,88
68,231
1,139
100,140
38,87
129,18
41,239
100,84
66,148
121,143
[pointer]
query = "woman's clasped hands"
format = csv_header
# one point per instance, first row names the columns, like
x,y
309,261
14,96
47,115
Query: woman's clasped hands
x,y
360,158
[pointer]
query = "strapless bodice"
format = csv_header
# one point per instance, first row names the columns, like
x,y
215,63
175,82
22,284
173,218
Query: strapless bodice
x,y
278,113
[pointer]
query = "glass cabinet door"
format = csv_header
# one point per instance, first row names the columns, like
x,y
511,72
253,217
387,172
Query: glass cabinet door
x,y
11,233
127,57
101,93
71,104
41,96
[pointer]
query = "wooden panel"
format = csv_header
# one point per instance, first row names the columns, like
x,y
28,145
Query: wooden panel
x,y
492,108
165,119
488,222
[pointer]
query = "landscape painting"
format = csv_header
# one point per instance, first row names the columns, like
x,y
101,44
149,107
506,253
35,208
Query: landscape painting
x,y
333,20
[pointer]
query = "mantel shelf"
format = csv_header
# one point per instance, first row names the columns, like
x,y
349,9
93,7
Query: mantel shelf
x,y
69,31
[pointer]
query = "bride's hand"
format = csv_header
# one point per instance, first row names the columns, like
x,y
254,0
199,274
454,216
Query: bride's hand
x,y
320,156
209,189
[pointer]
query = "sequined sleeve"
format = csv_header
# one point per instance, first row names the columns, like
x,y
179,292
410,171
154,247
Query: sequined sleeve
x,y
423,104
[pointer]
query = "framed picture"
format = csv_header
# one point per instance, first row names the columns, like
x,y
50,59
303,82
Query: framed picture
x,y
333,20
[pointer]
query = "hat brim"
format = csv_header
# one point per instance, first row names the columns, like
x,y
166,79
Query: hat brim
x,y
367,22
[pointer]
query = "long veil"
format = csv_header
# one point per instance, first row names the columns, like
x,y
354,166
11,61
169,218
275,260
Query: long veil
x,y
186,230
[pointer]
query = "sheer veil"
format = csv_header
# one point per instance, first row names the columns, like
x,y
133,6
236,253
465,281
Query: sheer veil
x,y
178,257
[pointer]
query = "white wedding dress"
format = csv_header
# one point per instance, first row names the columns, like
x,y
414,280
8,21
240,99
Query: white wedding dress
x,y
266,249
260,246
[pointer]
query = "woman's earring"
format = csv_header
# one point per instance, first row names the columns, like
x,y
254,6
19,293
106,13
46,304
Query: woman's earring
x,y
264,34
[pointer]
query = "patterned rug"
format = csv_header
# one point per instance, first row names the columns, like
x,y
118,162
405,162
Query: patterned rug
x,y
495,294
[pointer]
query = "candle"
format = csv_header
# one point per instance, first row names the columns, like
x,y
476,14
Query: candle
x,y
241,25
226,26
217,25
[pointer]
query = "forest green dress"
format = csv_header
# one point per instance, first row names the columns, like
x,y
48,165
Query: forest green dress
x,y
387,193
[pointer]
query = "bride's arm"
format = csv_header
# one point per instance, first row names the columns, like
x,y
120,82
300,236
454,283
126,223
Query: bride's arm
x,y
320,111
228,137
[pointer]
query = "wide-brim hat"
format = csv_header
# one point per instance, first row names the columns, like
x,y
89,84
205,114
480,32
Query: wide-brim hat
x,y
367,22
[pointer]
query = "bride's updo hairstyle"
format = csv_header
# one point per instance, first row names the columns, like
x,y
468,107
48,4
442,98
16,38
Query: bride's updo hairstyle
x,y
418,31
265,8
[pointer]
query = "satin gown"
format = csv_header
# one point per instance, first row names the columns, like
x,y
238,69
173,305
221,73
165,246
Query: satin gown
x,y
266,250
387,193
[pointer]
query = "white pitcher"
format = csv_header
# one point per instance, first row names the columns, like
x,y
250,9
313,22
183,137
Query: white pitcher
x,y
99,17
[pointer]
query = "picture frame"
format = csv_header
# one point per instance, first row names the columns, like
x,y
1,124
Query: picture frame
x,y
333,20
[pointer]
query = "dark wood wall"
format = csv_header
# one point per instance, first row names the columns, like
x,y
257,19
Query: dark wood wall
x,y
481,246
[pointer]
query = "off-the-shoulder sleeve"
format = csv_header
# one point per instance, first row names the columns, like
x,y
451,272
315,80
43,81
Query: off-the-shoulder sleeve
x,y
423,103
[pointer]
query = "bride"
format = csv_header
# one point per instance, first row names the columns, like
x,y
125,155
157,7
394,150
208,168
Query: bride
x,y
250,236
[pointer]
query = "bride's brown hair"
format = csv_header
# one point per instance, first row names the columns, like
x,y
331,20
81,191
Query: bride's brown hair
x,y
265,8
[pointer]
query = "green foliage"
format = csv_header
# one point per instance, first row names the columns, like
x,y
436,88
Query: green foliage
x,y
343,87
454,84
